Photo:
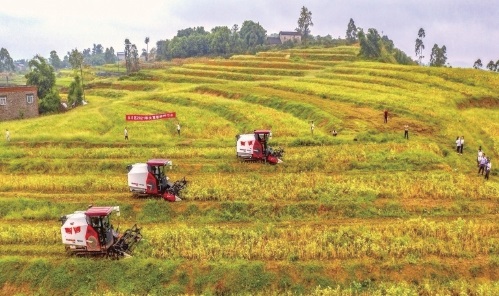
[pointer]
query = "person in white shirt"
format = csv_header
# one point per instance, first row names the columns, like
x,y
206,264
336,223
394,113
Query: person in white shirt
x,y
312,127
487,168
178,128
126,134
458,144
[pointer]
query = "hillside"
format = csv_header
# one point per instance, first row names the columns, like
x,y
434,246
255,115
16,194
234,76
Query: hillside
x,y
365,212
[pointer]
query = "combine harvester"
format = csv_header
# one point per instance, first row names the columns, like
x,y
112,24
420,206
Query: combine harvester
x,y
90,233
253,147
149,179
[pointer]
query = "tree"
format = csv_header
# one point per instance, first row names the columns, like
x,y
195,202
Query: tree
x,y
50,102
419,45
135,58
42,75
86,53
491,66
75,92
55,61
128,55
131,57
162,51
6,62
370,43
304,23
351,35
220,40
438,56
147,47
97,49
252,33
109,55
478,64
76,61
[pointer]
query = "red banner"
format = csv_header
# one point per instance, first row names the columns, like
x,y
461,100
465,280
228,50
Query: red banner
x,y
139,117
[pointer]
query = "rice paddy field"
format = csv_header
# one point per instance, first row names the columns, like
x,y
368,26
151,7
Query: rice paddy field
x,y
367,212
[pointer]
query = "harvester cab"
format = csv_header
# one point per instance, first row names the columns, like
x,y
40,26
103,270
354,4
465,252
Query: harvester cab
x,y
90,233
255,147
150,179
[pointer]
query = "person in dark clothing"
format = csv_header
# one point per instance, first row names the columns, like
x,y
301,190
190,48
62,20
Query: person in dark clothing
x,y
386,115
406,132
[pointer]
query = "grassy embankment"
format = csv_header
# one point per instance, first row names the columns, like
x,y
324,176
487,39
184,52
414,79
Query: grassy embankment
x,y
364,212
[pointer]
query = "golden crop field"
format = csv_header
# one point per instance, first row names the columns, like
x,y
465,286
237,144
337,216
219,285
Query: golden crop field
x,y
367,212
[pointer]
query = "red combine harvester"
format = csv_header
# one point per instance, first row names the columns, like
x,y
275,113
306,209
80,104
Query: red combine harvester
x,y
90,233
253,147
149,179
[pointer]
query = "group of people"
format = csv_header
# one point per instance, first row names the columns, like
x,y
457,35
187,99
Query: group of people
x,y
459,145
484,164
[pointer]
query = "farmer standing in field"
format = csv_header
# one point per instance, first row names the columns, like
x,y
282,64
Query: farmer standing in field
x,y
7,135
406,132
126,134
312,126
178,128
386,115
462,145
480,154
487,168
483,163
458,144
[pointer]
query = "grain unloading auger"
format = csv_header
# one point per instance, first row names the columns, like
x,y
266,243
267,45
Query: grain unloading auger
x,y
149,179
90,233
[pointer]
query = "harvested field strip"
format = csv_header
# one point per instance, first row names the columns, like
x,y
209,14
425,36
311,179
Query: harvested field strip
x,y
238,76
325,57
340,211
260,64
277,59
247,70
172,77
338,49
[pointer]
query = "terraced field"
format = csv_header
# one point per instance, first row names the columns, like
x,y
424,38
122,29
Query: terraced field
x,y
364,213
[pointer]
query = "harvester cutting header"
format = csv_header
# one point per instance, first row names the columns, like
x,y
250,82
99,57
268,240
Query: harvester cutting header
x,y
254,147
149,179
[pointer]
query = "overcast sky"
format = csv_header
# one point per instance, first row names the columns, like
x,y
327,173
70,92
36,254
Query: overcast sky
x,y
469,29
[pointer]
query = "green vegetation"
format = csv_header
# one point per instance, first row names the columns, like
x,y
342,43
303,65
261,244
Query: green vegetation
x,y
363,213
